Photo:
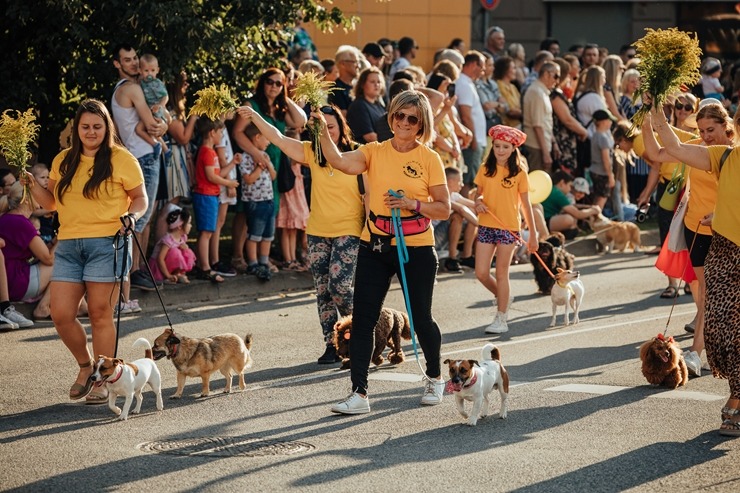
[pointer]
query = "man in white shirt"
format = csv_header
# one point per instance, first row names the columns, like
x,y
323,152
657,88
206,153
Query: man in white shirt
x,y
471,115
537,111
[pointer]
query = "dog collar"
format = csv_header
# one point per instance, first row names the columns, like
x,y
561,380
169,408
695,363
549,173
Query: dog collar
x,y
120,372
472,381
173,350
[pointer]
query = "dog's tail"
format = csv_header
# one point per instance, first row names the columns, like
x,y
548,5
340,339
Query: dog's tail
x,y
490,352
248,343
404,323
141,342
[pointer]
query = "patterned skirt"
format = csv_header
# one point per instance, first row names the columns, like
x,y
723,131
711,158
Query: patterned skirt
x,y
722,312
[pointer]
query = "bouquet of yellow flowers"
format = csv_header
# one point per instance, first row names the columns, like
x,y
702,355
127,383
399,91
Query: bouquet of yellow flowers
x,y
16,133
314,91
669,58
213,102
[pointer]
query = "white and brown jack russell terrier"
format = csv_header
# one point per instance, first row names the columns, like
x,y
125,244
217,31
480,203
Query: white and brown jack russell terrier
x,y
474,381
128,379
568,291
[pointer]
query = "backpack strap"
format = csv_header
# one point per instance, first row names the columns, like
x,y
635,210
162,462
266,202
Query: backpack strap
x,y
724,157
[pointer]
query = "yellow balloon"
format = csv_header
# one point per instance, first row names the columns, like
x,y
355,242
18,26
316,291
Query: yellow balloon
x,y
540,186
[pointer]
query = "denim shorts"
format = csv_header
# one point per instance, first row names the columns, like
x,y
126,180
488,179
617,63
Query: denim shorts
x,y
261,220
206,211
90,260
149,164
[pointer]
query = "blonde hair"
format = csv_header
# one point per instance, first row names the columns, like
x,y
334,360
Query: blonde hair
x,y
590,81
627,77
718,113
612,66
414,99
13,198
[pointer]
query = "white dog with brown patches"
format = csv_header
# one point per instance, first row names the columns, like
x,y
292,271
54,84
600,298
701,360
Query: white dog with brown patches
x,y
568,292
474,381
128,379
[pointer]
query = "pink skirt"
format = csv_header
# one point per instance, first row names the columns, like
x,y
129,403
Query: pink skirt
x,y
177,260
293,211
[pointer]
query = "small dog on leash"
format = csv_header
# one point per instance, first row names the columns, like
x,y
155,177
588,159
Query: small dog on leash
x,y
128,379
474,381
614,235
567,291
553,253
663,363
392,326
193,357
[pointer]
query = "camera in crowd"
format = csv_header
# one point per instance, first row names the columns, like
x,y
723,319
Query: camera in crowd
x,y
642,213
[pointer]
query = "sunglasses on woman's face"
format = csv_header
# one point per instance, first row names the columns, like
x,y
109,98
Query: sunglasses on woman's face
x,y
686,107
400,117
328,110
273,82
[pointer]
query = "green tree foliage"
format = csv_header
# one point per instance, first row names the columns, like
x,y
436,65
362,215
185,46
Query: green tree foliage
x,y
59,52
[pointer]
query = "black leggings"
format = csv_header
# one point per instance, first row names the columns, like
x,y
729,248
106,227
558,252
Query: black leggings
x,y
372,281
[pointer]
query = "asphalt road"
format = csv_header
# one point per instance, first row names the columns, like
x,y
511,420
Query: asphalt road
x,y
581,416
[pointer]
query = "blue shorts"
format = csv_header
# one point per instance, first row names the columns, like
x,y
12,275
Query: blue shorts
x,y
206,211
149,164
34,284
496,236
90,260
261,220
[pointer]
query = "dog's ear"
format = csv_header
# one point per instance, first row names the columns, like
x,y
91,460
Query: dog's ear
x,y
560,270
473,362
118,361
446,362
173,339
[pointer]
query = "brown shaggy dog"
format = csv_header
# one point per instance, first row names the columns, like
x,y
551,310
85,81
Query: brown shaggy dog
x,y
391,327
662,362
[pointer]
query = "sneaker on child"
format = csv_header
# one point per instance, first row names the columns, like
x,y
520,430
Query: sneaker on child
x,y
433,392
498,326
6,324
223,269
453,265
354,404
15,317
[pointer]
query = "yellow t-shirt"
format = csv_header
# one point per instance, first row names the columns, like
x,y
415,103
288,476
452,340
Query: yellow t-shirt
x,y
336,204
502,197
727,212
703,196
413,173
666,169
96,217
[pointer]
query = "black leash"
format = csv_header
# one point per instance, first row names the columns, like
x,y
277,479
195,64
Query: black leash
x,y
128,225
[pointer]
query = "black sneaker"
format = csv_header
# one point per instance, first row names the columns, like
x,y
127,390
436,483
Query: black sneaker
x,y
223,269
141,280
452,265
329,356
263,272
468,261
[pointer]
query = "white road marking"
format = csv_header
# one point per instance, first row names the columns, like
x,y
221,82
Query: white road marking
x,y
610,389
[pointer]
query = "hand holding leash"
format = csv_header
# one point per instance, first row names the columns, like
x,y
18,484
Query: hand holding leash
x,y
396,200
128,220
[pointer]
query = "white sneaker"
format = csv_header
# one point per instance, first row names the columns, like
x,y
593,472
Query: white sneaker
x,y
6,324
15,317
134,306
125,308
693,362
354,404
498,326
508,306
433,392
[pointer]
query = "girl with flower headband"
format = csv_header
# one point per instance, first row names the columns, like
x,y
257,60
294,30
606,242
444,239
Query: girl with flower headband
x,y
503,186
171,259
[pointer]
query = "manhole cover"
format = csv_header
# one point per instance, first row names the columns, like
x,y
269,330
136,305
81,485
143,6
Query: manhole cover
x,y
225,447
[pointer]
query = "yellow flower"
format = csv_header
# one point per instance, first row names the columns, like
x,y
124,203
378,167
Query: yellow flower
x,y
15,136
213,102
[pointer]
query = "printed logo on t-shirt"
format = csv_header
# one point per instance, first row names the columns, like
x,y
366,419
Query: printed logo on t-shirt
x,y
506,183
413,169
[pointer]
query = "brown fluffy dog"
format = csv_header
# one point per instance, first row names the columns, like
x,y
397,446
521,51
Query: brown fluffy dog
x,y
193,357
663,363
391,327
613,235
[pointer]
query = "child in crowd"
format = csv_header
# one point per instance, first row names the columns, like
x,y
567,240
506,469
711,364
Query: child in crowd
x,y
503,186
46,219
293,217
207,188
711,71
259,202
602,157
171,259
462,219
155,94
227,161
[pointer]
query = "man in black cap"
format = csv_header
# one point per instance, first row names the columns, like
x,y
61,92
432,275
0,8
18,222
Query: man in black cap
x,y
374,54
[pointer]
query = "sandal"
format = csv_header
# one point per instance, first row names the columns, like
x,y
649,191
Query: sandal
x,y
730,428
687,289
183,279
728,413
97,398
208,276
669,292
78,391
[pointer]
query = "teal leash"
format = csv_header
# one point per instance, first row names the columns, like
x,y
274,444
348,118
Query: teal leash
x,y
403,258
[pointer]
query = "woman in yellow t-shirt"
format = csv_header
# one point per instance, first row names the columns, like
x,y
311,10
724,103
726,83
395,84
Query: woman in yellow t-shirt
x,y
335,221
91,185
407,166
722,266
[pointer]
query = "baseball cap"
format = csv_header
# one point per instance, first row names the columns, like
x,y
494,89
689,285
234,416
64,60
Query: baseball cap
x,y
600,115
374,50
581,185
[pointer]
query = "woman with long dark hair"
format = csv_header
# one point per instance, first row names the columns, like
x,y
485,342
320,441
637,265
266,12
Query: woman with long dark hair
x,y
335,222
92,186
